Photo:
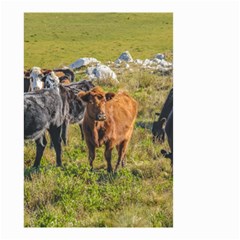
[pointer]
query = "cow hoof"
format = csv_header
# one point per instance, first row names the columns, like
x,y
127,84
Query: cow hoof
x,y
35,166
164,152
51,146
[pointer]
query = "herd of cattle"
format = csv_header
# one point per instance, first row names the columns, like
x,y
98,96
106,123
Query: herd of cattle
x,y
52,101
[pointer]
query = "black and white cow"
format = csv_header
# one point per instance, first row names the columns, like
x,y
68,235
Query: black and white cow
x,y
47,110
36,78
52,81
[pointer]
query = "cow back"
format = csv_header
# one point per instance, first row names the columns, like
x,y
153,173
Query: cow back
x,y
41,110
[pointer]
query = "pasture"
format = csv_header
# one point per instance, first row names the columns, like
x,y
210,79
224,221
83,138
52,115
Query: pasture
x,y
139,195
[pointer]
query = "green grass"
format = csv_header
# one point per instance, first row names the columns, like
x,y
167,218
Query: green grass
x,y
52,40
139,195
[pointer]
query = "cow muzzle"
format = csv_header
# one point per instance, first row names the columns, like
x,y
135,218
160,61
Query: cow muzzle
x,y
101,117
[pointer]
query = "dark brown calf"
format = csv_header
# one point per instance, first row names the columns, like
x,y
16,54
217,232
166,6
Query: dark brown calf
x,y
109,120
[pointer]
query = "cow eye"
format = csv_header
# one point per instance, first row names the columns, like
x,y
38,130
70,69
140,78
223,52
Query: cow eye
x,y
39,75
100,97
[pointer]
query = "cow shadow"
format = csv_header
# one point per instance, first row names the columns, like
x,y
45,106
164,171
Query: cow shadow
x,y
29,171
144,125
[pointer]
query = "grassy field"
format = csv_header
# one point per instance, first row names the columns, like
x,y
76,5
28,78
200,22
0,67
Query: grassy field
x,y
52,40
139,195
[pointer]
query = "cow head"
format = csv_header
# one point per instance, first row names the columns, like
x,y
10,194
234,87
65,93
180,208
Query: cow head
x,y
51,80
158,130
96,102
36,77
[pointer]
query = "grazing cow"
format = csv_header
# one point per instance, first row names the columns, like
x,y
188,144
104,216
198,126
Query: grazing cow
x,y
158,126
109,119
44,110
169,133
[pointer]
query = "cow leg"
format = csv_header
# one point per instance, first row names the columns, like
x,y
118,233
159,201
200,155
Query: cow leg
x,y
170,142
108,157
51,144
55,133
81,129
91,154
40,145
64,131
122,148
169,132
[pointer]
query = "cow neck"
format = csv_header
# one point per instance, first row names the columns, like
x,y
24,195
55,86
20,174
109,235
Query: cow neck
x,y
96,128
92,122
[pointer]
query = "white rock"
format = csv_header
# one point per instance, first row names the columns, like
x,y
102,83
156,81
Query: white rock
x,y
164,63
125,56
83,62
118,61
159,56
101,72
157,61
138,61
147,62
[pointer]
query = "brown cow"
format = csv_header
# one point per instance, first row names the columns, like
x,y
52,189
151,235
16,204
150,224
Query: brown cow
x,y
109,120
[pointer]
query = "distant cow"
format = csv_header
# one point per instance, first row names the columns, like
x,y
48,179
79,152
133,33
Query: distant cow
x,y
158,126
44,110
109,119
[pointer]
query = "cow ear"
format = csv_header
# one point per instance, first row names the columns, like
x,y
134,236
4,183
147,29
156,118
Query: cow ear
x,y
163,122
109,96
85,96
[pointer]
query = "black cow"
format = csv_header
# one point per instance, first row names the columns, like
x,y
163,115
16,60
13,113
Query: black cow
x,y
48,109
27,84
158,126
169,133
27,80
75,109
